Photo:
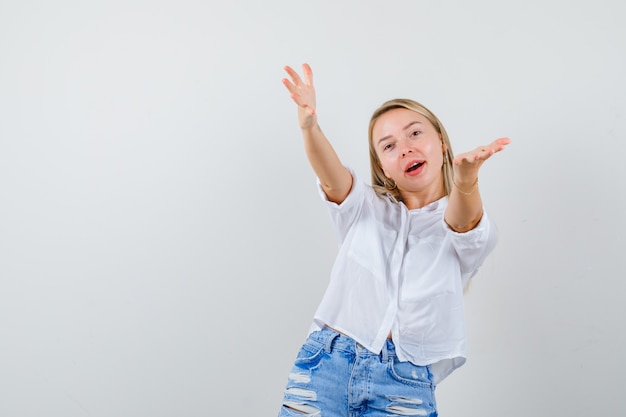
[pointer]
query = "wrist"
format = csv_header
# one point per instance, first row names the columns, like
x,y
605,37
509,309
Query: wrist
x,y
466,187
310,127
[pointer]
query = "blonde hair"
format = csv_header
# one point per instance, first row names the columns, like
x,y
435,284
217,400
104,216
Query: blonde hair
x,y
380,182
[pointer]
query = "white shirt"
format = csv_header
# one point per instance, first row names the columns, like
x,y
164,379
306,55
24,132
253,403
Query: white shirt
x,y
402,271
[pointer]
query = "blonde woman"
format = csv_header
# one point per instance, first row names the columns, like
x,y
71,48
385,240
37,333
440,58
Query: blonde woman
x,y
390,325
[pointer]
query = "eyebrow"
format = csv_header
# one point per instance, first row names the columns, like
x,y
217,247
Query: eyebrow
x,y
405,128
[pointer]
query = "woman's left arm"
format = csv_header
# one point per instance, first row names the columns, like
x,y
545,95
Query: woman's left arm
x,y
465,207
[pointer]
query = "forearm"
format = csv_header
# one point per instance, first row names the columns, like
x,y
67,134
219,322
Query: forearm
x,y
465,207
335,179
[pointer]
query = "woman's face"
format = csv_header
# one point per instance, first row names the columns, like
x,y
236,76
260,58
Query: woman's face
x,y
410,150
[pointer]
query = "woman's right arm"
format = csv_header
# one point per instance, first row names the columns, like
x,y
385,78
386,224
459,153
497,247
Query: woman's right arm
x,y
335,179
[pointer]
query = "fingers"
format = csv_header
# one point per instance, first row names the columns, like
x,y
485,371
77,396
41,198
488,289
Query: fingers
x,y
301,91
503,141
308,74
295,78
477,154
306,70
499,144
495,146
296,81
290,86
482,153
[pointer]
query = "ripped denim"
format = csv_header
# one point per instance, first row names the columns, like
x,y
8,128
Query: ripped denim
x,y
334,376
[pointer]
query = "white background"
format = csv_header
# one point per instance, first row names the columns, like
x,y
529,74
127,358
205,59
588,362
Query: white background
x,y
162,244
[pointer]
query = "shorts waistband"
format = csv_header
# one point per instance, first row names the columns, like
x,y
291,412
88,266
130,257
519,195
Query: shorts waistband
x,y
333,340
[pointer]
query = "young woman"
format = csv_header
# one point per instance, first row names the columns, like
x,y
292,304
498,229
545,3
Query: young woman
x,y
391,323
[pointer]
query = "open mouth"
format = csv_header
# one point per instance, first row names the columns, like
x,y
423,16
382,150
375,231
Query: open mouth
x,y
414,166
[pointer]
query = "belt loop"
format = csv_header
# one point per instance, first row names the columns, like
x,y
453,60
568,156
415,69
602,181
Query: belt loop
x,y
384,352
329,343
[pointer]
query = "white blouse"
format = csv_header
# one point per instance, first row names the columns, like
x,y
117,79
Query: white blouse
x,y
402,271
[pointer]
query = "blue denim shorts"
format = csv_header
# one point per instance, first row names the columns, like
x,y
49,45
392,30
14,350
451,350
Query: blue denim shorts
x,y
334,376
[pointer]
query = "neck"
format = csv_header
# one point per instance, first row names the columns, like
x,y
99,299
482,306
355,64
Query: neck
x,y
418,199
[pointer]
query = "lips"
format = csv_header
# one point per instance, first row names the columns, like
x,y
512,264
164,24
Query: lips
x,y
412,166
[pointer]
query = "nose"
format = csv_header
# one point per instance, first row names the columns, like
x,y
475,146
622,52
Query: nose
x,y
406,150
404,147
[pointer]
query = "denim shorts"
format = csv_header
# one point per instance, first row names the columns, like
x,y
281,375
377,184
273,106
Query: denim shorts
x,y
334,376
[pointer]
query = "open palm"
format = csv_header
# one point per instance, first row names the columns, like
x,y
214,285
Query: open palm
x,y
303,94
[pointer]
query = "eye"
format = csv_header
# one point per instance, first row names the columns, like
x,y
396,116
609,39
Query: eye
x,y
387,146
415,133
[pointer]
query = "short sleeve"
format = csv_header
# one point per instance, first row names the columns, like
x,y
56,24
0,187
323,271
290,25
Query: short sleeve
x,y
343,215
473,247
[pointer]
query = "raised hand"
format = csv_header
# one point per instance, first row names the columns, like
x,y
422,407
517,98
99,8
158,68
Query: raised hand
x,y
303,94
467,164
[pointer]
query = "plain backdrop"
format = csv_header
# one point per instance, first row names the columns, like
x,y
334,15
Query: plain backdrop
x,y
162,244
